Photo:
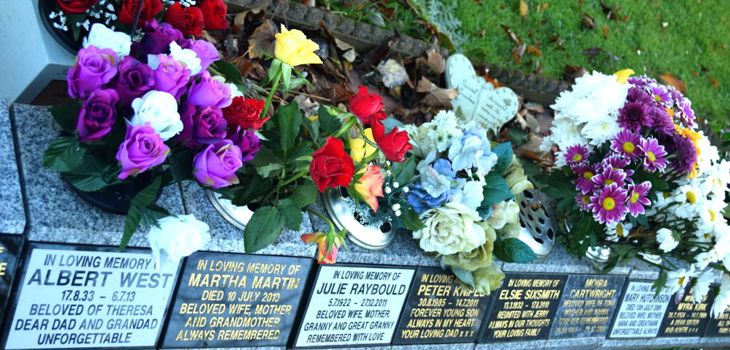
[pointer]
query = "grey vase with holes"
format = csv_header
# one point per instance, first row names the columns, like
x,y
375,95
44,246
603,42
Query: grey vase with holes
x,y
538,227
341,210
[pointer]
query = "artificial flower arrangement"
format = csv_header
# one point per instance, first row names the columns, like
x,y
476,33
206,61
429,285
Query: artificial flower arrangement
x,y
191,17
148,114
300,156
635,174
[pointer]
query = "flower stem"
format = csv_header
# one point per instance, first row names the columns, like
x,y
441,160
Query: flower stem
x,y
292,179
345,127
274,87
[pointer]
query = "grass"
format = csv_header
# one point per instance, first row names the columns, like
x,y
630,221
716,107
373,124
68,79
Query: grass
x,y
689,39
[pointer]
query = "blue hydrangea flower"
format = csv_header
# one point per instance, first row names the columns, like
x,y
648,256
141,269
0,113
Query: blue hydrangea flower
x,y
419,199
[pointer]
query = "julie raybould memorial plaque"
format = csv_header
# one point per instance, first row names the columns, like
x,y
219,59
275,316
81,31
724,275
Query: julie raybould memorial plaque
x,y
89,297
640,312
354,305
440,310
524,308
230,300
684,317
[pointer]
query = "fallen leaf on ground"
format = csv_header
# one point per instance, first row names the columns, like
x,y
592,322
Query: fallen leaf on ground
x,y
570,73
262,40
715,84
587,21
542,7
511,34
673,80
523,8
608,11
605,31
533,50
435,96
592,52
518,51
435,61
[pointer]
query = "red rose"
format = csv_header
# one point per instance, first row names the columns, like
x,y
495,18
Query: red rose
x,y
331,166
214,12
367,107
129,10
189,20
76,6
245,112
394,144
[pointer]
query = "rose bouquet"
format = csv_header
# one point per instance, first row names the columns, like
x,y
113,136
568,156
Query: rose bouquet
x,y
461,197
635,174
147,119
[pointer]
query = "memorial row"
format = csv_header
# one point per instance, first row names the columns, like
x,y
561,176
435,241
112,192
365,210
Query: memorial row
x,y
68,296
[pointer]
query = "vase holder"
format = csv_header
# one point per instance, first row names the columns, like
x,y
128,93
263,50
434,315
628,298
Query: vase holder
x,y
236,215
344,217
538,227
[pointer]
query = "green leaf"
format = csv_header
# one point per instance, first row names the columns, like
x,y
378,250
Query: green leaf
x,y
518,136
66,115
264,227
256,188
64,154
275,68
660,282
181,164
292,215
290,122
304,195
495,190
286,77
504,157
229,71
513,250
410,219
328,120
403,171
87,182
312,126
137,209
464,276
269,170
265,162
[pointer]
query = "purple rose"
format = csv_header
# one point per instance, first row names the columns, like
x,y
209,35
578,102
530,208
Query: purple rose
x,y
142,149
207,91
216,165
170,75
202,125
205,51
97,115
157,38
94,67
247,141
135,79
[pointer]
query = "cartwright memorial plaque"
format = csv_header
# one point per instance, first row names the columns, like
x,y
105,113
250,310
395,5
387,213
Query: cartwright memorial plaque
x,y
226,300
74,297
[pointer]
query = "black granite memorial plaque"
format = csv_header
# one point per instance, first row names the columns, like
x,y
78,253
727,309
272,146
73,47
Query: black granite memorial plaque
x,y
640,312
720,326
230,300
354,305
10,249
524,308
73,297
440,310
684,318
587,306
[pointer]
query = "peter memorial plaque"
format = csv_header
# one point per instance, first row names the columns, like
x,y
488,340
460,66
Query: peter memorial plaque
x,y
354,305
684,318
587,306
89,297
225,300
640,312
10,247
440,310
524,308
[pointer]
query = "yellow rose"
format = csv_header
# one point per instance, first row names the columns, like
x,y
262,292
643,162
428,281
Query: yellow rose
x,y
359,149
293,48
370,186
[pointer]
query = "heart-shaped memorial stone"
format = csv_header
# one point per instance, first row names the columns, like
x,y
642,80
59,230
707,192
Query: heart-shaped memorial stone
x,y
478,99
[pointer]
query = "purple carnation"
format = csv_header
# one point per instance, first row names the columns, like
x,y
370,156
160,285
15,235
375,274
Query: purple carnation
x,y
216,165
641,81
638,94
135,79
202,125
661,120
584,181
654,154
170,75
609,176
576,154
609,204
247,141
97,115
638,198
685,154
626,143
141,150
633,116
94,67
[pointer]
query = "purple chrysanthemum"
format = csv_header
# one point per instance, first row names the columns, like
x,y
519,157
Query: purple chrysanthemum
x,y
609,176
638,94
585,173
685,154
661,95
638,198
627,144
686,114
633,116
654,154
661,120
609,204
584,201
616,162
641,81
576,154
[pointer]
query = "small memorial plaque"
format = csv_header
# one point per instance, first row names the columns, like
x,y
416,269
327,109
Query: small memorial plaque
x,y
354,305
89,297
587,306
684,318
10,248
440,310
225,300
720,326
524,308
640,312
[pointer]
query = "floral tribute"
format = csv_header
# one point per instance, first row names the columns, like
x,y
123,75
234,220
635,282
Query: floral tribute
x,y
153,109
636,174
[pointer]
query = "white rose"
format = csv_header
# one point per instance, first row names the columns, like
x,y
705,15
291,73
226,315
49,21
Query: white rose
x,y
178,237
666,240
159,109
104,38
187,57
450,229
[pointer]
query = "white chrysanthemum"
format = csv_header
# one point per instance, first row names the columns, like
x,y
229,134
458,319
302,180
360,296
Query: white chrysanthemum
x,y
600,131
702,285
678,279
652,258
704,259
666,240
616,230
722,299
690,201
443,130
